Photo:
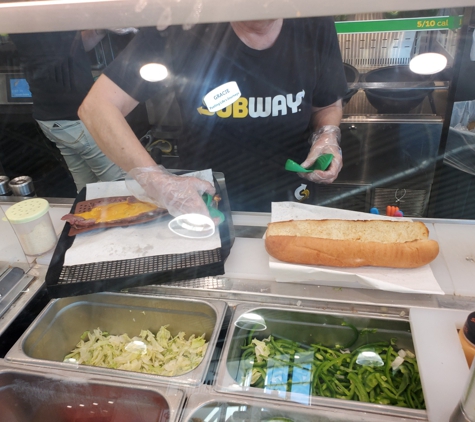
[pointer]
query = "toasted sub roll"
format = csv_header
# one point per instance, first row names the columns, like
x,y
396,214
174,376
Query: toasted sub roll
x,y
351,243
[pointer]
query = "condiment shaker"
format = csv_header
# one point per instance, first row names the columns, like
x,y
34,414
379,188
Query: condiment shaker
x,y
465,410
5,189
22,186
32,224
467,338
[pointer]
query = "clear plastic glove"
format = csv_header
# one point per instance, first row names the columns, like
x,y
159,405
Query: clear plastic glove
x,y
325,141
178,194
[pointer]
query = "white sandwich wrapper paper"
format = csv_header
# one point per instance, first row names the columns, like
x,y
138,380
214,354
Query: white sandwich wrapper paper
x,y
142,240
414,280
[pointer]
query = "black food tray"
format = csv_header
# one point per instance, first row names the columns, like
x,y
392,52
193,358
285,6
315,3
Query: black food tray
x,y
64,281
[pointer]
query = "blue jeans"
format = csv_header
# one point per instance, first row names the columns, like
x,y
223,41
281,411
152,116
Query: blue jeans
x,y
86,162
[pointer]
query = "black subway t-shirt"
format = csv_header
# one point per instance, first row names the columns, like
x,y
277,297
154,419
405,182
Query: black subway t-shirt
x,y
249,140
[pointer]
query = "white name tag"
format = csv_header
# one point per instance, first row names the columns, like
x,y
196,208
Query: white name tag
x,y
222,96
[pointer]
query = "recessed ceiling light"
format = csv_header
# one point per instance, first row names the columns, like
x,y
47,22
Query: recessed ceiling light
x,y
153,72
428,63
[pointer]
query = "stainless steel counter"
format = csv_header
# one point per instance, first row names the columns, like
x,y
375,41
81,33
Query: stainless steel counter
x,y
248,289
264,290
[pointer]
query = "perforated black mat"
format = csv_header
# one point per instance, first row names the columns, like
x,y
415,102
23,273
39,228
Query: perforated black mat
x,y
133,267
117,275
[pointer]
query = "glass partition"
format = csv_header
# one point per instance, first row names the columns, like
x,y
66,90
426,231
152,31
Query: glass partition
x,y
395,127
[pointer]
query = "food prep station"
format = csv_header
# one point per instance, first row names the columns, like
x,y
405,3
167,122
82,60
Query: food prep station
x,y
36,395
388,116
36,332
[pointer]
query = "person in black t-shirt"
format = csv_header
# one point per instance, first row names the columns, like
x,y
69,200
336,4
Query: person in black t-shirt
x,y
291,78
59,76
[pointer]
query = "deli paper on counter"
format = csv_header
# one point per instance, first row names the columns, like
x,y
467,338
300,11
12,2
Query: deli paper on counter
x,y
413,280
120,243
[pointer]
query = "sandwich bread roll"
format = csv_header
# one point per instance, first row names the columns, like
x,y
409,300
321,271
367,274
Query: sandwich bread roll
x,y
351,243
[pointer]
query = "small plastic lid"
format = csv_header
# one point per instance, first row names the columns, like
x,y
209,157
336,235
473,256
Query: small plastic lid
x,y
192,226
26,211
469,328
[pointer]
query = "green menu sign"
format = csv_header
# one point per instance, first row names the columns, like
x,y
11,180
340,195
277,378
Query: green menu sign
x,y
396,25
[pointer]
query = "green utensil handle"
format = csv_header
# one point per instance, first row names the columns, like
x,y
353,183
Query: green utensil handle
x,y
213,212
321,163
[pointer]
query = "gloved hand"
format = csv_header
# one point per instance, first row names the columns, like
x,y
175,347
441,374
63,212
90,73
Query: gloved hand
x,y
325,141
179,194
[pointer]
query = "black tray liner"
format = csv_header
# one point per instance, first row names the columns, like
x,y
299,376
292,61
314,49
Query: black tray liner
x,y
118,275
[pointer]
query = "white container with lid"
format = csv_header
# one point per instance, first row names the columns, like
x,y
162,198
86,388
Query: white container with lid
x,y
32,224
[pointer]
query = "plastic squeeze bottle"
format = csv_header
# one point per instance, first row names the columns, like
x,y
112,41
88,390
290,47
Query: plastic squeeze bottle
x,y
467,338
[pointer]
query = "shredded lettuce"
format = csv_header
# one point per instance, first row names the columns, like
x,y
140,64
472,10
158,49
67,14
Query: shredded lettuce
x,y
160,354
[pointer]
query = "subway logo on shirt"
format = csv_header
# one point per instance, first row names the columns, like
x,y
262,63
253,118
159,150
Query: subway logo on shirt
x,y
256,107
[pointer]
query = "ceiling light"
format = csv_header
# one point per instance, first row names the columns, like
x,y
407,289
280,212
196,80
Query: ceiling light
x,y
428,63
153,72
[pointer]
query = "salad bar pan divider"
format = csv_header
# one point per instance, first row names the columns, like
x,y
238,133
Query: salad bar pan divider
x,y
59,327
304,327
210,405
39,394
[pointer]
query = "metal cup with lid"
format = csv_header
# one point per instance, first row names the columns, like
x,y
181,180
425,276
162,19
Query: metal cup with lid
x,y
22,186
5,189
32,224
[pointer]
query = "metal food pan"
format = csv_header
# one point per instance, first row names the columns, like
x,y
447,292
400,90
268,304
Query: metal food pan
x,y
37,396
211,406
307,327
57,330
